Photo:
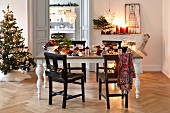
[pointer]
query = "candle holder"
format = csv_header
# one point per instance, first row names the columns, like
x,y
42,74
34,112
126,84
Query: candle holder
x,y
131,44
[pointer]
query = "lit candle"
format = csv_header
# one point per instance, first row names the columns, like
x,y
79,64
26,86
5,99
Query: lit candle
x,y
80,54
117,29
126,30
63,53
121,30
27,62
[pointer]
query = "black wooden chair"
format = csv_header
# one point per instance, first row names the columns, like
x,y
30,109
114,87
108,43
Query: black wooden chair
x,y
107,43
57,72
83,65
110,76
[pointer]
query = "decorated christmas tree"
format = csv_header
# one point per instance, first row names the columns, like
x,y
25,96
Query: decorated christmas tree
x,y
14,54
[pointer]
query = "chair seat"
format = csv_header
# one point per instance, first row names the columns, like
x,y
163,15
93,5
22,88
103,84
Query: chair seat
x,y
100,67
74,76
103,68
76,68
57,76
111,77
97,70
83,68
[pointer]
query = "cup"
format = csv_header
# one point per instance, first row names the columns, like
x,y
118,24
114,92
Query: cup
x,y
124,49
115,50
87,51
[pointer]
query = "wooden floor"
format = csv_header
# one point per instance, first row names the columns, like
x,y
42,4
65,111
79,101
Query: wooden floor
x,y
21,97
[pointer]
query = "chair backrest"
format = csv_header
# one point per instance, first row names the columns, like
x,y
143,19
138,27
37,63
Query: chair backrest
x,y
56,65
112,68
79,42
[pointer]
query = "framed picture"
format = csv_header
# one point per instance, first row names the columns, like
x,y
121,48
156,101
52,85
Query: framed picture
x,y
132,18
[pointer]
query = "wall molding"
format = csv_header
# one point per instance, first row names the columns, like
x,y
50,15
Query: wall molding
x,y
165,71
152,68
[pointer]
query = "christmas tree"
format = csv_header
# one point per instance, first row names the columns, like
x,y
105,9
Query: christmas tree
x,y
13,53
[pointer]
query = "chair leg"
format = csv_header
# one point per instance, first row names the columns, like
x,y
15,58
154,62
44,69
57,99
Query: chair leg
x,y
122,94
50,91
97,72
126,100
107,95
100,88
69,70
84,70
82,89
65,95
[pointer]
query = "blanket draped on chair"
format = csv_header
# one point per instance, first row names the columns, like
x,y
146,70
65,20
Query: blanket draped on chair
x,y
126,71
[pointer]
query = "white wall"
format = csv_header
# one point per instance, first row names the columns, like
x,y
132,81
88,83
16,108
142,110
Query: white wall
x,y
19,8
166,37
151,22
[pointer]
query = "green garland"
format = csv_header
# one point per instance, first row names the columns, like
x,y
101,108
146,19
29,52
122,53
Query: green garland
x,y
68,4
101,23
63,41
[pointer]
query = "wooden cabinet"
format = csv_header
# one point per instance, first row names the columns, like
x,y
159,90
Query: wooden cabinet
x,y
58,22
39,23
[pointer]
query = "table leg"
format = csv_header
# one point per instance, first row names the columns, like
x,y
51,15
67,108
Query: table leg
x,y
39,72
137,71
44,75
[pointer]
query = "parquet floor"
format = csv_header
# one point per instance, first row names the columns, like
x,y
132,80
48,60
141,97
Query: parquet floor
x,y
21,97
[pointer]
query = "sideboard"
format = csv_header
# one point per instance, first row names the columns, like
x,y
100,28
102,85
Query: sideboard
x,y
138,38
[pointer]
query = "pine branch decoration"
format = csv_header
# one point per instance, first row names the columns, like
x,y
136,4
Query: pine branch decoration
x,y
101,23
